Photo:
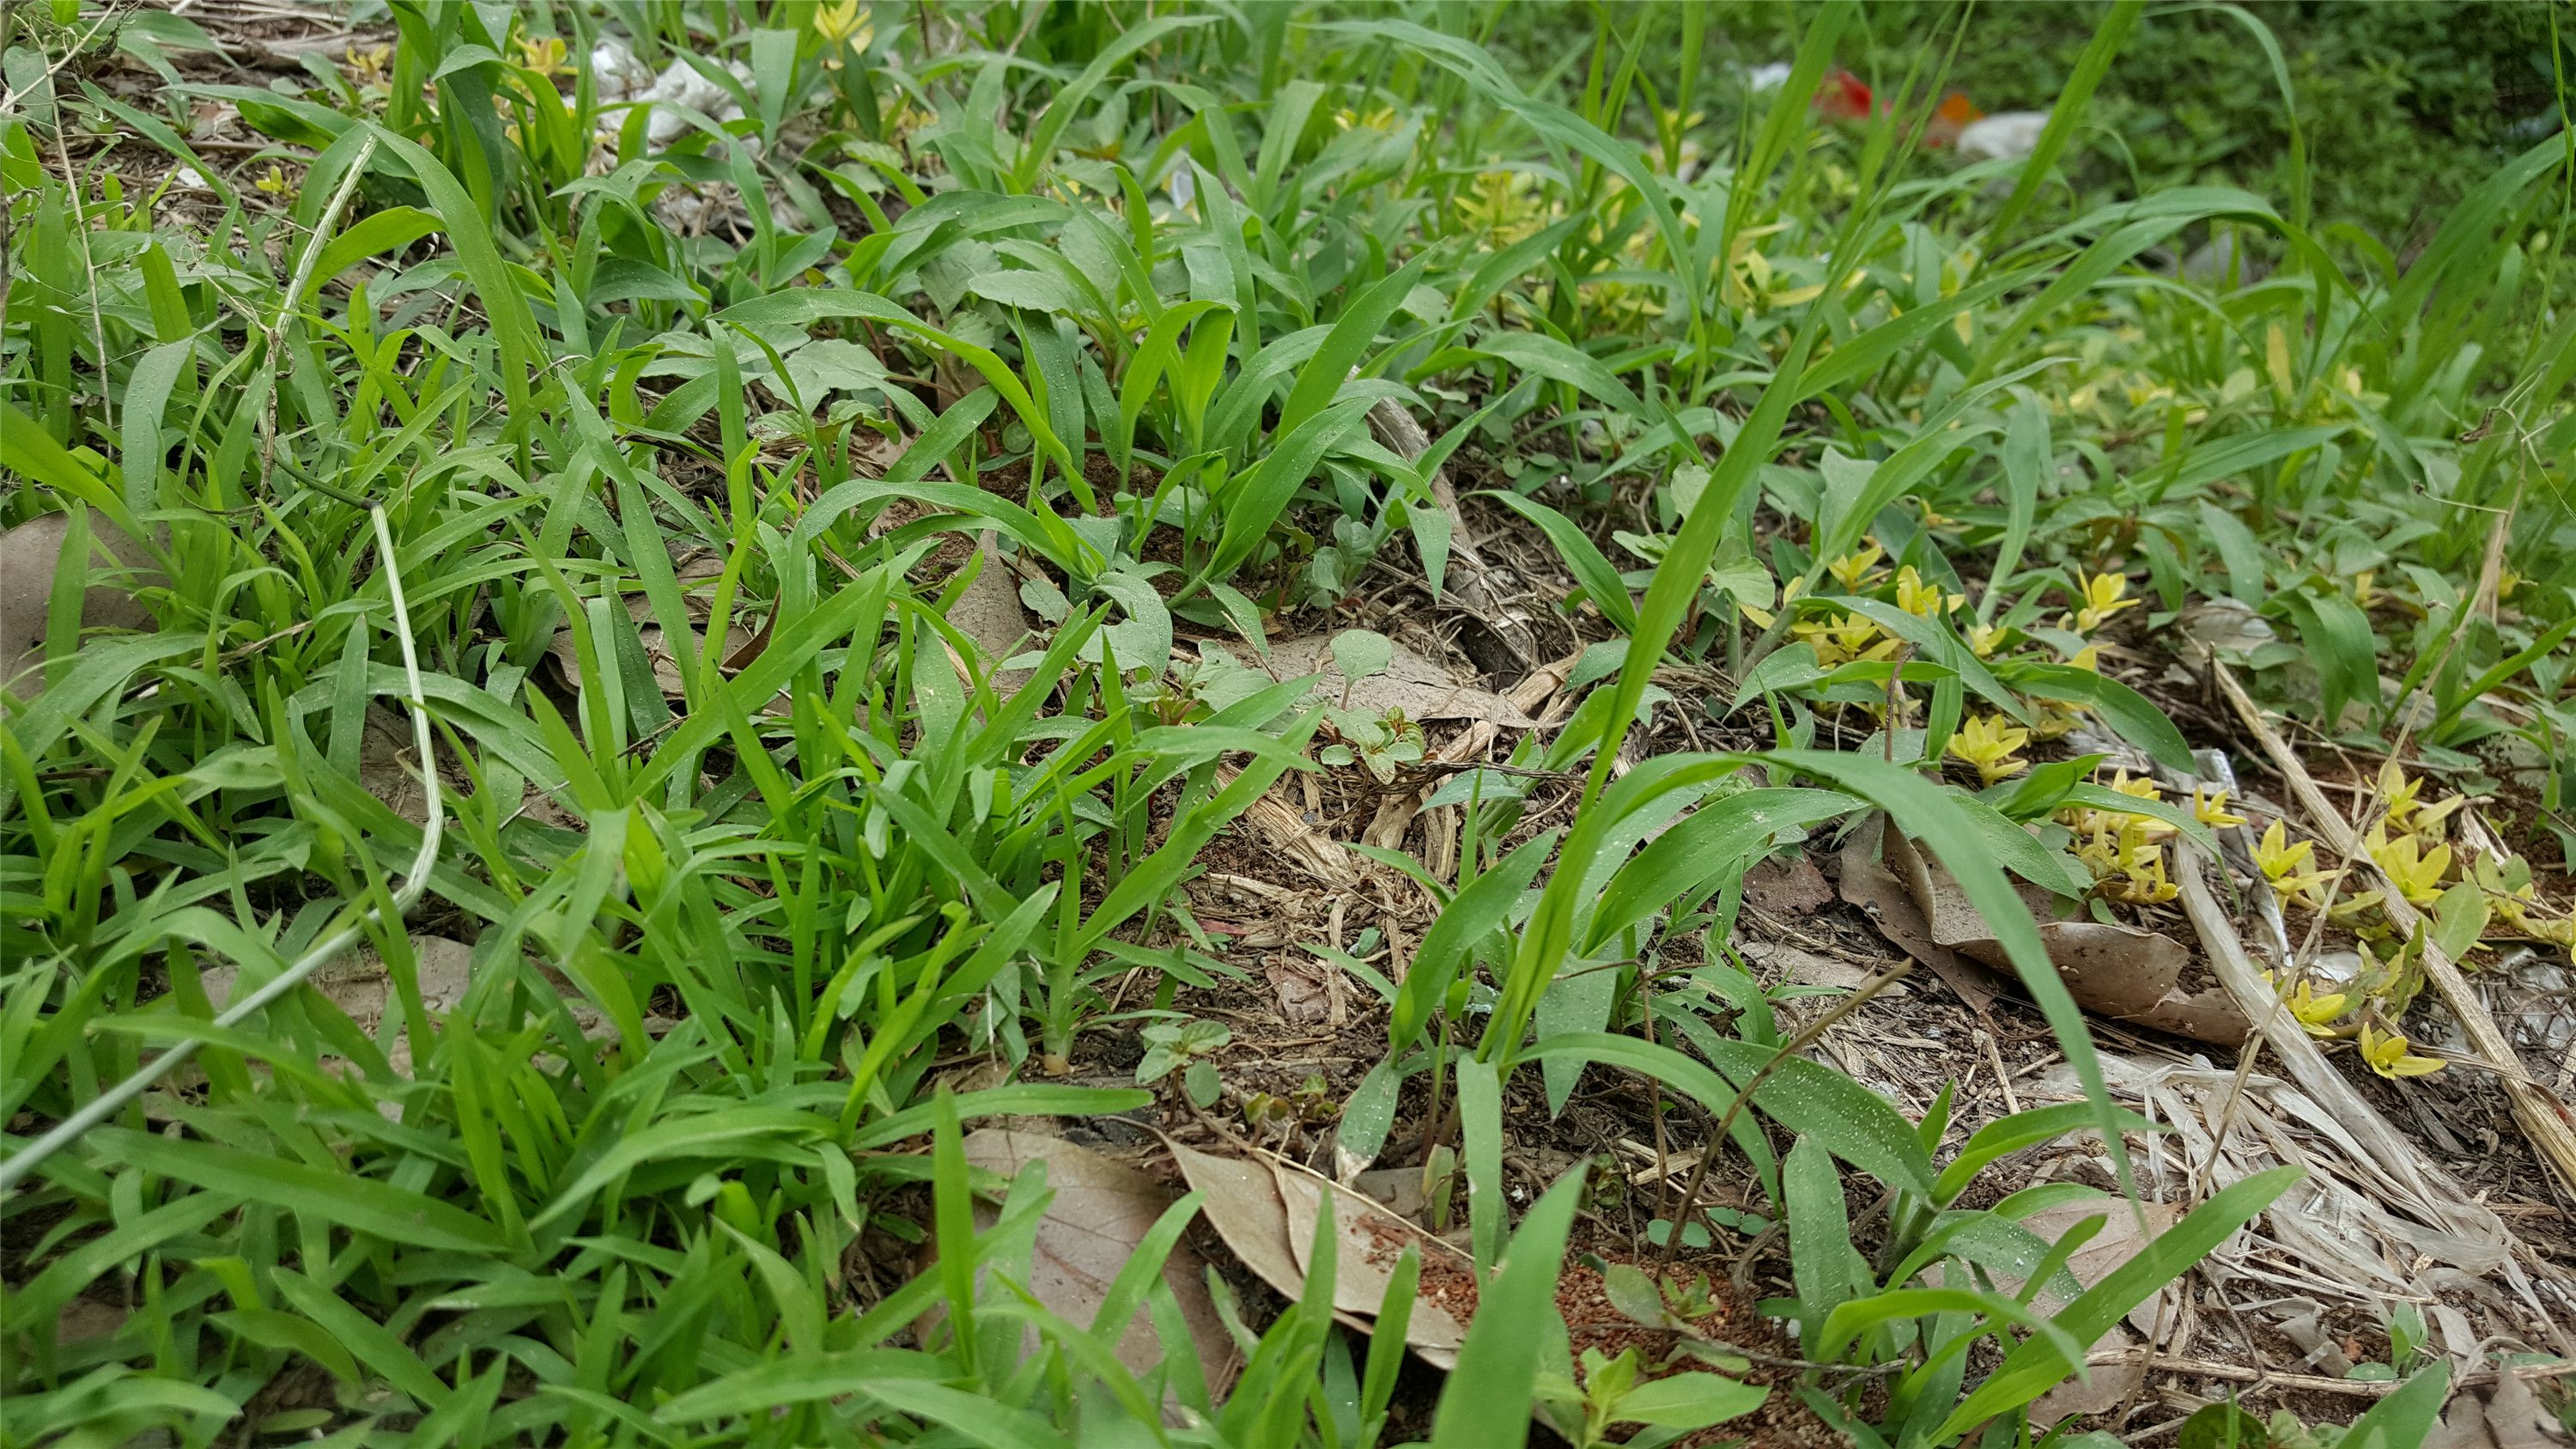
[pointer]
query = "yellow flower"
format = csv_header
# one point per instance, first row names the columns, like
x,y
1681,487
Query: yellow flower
x,y
2416,873
1853,567
2386,1054
369,65
844,25
1921,599
2280,861
2145,884
1498,203
2364,592
2403,811
544,55
2088,659
2101,855
1843,638
1381,119
1990,743
274,183
2211,810
2056,719
2142,787
1985,639
2100,596
2315,1013
1788,592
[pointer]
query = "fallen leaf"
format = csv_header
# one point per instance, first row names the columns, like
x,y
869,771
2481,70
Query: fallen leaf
x,y
1310,992
359,984
2119,1240
2105,1387
1398,1189
1369,1241
388,765
1267,1215
989,612
1884,899
84,1319
1422,689
28,555
2123,972
1792,887
657,652
2517,1419
2221,625
1807,968
1101,1210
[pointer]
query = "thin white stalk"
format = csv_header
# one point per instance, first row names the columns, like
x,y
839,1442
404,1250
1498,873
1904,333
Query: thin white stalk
x,y
114,1100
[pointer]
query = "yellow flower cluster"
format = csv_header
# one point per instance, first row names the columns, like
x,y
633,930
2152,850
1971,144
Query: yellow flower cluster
x,y
2386,1053
1502,206
2125,849
843,26
1843,638
1991,745
2098,597
2415,858
2288,866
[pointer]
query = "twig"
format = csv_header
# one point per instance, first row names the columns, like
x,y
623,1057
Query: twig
x,y
1805,1038
1395,427
2545,1119
2317,1383
2432,1196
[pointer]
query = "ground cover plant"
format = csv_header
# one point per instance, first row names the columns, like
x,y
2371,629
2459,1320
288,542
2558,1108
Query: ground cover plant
x,y
802,723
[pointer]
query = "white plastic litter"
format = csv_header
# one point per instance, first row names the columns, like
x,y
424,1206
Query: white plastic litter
x,y
617,71
2003,136
623,77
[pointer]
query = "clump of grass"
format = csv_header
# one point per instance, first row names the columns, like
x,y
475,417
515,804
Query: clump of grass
x,y
627,470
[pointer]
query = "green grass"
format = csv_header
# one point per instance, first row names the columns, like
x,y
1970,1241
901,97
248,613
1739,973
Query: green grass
x,y
643,538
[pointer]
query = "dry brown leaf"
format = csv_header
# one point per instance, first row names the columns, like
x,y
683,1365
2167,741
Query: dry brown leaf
x,y
1395,813
1369,1240
2104,1388
989,613
28,554
1399,1189
1808,968
1101,1210
84,1319
1792,887
2122,972
1310,992
1876,890
1422,689
2507,1416
1243,1205
2121,1239
360,986
657,651
1267,1215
